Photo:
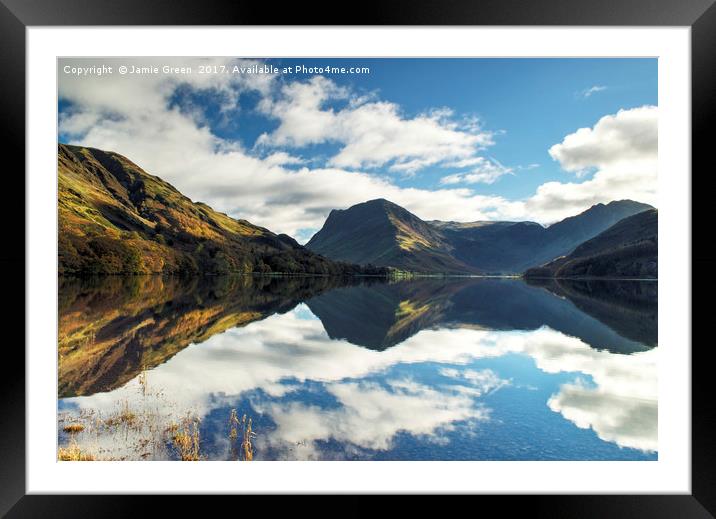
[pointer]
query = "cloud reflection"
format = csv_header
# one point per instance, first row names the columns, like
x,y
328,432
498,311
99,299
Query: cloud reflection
x,y
278,354
369,415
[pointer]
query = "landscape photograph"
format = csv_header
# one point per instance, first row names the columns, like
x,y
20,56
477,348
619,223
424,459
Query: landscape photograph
x,y
375,259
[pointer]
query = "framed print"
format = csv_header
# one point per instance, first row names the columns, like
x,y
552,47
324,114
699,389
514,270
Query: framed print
x,y
416,255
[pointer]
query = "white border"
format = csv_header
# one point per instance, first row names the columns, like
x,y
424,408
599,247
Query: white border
x,y
671,474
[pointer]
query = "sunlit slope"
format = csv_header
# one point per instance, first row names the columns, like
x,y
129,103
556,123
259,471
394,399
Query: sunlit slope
x,y
379,232
115,218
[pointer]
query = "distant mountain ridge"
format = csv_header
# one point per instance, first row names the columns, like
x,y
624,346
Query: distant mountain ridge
x,y
513,247
379,315
628,248
379,232
115,218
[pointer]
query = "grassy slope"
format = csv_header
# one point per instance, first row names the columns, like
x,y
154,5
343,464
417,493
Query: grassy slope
x,y
114,218
382,233
379,232
629,248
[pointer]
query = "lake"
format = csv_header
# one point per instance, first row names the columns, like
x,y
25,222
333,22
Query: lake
x,y
301,368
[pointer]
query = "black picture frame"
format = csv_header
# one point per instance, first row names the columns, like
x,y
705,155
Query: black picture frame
x,y
17,15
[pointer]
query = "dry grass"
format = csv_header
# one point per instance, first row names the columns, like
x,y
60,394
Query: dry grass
x,y
142,378
185,439
247,433
246,443
124,416
233,424
146,429
73,453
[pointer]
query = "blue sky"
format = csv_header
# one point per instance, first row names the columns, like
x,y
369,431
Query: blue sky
x,y
461,139
536,102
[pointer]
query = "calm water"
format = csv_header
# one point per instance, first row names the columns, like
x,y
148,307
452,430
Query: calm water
x,y
444,369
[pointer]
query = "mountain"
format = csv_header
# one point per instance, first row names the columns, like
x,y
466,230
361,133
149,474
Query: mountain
x,y
380,315
512,247
115,218
629,248
619,316
379,232
629,307
113,327
382,233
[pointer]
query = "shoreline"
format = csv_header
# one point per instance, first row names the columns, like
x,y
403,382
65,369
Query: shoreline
x,y
349,276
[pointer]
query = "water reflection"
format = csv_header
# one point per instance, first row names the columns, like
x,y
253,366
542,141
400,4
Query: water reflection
x,y
420,369
110,328
381,316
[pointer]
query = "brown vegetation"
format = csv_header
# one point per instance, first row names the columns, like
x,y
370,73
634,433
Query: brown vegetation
x,y
112,327
245,450
185,438
114,218
145,430
73,453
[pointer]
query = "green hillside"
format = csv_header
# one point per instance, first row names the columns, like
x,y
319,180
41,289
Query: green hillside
x,y
627,249
115,218
379,232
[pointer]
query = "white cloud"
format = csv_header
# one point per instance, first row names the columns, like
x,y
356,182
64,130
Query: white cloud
x,y
533,165
620,405
133,95
281,158
486,171
303,121
587,92
623,148
627,136
373,133
133,116
370,415
621,419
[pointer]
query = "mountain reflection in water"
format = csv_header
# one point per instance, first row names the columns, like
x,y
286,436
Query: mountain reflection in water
x,y
332,368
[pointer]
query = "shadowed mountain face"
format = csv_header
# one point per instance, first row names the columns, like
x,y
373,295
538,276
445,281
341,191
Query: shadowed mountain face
x,y
383,315
628,307
114,218
387,315
629,248
111,328
512,247
382,233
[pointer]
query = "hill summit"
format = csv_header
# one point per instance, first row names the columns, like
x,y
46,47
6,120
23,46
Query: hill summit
x,y
115,218
380,232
